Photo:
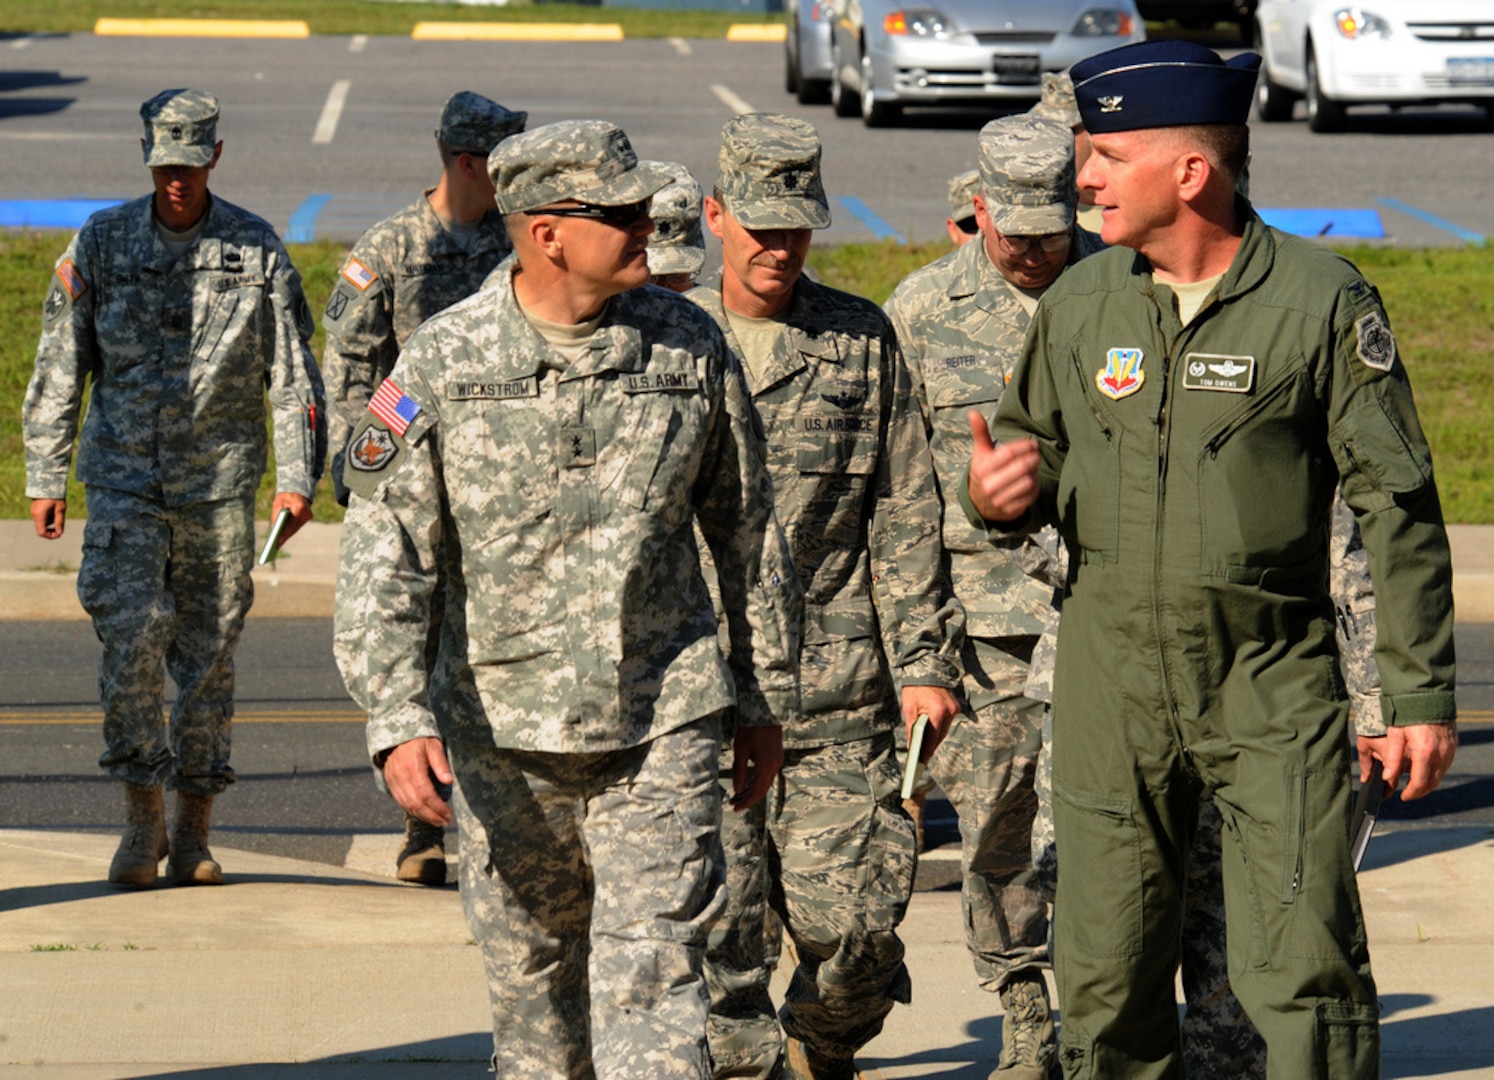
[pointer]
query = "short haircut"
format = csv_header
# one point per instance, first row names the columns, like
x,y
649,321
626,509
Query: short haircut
x,y
1227,146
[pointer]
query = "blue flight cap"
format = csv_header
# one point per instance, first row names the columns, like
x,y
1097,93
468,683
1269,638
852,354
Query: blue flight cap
x,y
1153,84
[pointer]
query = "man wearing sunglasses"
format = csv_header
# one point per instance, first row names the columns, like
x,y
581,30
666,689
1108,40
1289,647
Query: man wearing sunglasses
x,y
401,272
961,224
855,490
961,322
553,441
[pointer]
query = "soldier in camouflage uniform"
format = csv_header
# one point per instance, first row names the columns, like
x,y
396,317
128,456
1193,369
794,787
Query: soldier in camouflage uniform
x,y
961,224
401,272
855,493
961,323
182,310
554,440
676,250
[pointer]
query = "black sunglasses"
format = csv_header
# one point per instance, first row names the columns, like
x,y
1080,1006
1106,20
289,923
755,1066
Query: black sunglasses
x,y
619,217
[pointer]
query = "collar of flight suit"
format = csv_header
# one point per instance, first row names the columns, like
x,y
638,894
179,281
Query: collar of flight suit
x,y
1252,262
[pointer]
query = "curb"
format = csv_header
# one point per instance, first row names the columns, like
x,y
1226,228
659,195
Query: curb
x,y
260,28
757,32
446,31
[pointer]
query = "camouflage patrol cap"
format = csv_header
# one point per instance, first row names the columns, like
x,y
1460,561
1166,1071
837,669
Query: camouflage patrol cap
x,y
768,173
962,192
472,122
1058,101
1027,175
590,161
181,128
677,245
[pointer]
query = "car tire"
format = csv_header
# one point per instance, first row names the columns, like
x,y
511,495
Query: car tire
x,y
845,103
1273,102
875,113
813,91
791,81
1323,113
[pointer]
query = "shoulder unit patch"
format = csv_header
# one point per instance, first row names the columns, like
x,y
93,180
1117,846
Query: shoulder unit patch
x,y
1376,342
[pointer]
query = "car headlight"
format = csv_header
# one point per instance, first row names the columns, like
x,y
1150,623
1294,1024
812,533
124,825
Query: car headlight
x,y
1105,22
917,22
1353,22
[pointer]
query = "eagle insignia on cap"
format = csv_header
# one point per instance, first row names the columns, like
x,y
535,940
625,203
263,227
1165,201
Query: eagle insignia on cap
x,y
1111,103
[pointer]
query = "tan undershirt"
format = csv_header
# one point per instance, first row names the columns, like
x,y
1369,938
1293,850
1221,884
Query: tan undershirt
x,y
1028,298
178,242
757,338
569,341
1192,296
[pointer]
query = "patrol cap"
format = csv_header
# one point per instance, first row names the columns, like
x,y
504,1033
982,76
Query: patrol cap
x,y
962,192
1152,84
590,161
768,173
472,122
1027,175
181,128
1057,102
677,245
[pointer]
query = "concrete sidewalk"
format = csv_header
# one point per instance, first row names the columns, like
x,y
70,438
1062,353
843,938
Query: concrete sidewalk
x,y
303,970
38,577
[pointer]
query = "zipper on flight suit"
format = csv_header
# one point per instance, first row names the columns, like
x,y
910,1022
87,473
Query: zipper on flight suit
x,y
1162,436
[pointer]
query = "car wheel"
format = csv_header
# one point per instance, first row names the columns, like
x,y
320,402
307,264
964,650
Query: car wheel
x,y
1323,113
1273,103
875,113
842,100
790,71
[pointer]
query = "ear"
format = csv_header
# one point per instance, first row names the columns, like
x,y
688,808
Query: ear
x,y
714,214
1193,173
217,153
982,215
544,235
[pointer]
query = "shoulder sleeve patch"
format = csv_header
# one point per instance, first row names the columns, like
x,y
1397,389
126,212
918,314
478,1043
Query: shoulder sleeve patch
x,y
343,299
56,306
373,453
1375,342
71,280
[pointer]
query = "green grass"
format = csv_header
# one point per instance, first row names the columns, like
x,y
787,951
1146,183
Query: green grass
x,y
1441,304
364,17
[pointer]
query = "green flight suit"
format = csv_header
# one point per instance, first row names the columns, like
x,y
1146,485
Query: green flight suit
x,y
1193,469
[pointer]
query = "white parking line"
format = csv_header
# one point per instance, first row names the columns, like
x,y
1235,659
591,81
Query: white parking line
x,y
681,46
326,127
20,43
356,45
730,99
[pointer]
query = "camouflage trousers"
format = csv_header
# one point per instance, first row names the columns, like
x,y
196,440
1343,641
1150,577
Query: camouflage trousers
x,y
1219,1041
168,588
986,766
840,855
590,881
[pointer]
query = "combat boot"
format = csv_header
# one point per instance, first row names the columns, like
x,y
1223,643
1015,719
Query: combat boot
x,y
423,858
143,845
1029,1046
806,1063
191,862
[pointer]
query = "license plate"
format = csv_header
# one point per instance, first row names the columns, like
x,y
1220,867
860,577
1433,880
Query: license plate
x,y
1471,70
1017,68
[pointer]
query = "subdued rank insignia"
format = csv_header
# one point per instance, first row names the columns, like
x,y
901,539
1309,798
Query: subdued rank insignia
x,y
1212,371
1122,375
1111,103
372,450
578,447
1376,342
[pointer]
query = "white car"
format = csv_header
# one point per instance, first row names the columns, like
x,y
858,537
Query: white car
x,y
1382,52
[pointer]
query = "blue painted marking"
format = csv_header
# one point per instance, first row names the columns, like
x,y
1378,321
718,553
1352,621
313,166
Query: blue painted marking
x,y
863,213
50,213
1432,219
302,227
1314,222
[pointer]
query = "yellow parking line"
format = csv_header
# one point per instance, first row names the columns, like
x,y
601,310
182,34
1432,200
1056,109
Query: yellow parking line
x,y
263,28
756,32
515,31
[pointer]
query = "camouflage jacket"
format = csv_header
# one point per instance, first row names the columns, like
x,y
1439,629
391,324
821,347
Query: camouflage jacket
x,y
576,617
401,272
180,353
854,491
961,331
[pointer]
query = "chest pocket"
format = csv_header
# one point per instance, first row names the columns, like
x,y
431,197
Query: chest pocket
x,y
1259,472
501,445
656,447
228,297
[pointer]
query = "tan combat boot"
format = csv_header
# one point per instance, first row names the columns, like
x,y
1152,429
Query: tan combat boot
x,y
191,862
803,1062
143,845
1029,1045
423,858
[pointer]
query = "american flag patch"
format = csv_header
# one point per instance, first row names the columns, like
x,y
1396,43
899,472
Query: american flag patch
x,y
390,405
359,274
71,280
